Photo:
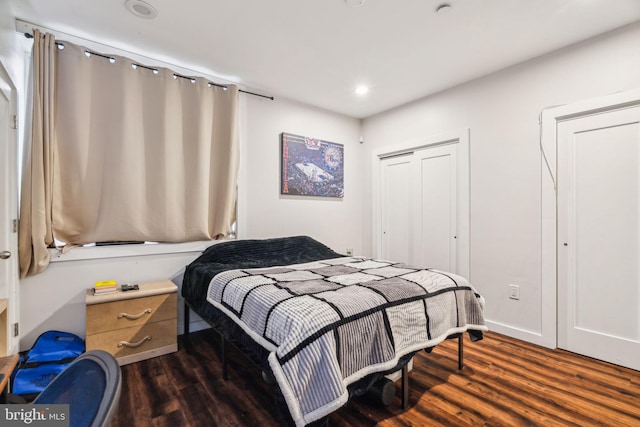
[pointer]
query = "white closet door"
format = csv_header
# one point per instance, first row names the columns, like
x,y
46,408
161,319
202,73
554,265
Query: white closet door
x,y
418,207
396,206
435,237
599,236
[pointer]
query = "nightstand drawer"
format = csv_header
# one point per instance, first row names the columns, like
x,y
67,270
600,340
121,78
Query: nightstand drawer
x,y
136,339
131,312
134,325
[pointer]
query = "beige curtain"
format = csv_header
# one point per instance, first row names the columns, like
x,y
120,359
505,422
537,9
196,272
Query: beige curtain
x,y
35,232
140,154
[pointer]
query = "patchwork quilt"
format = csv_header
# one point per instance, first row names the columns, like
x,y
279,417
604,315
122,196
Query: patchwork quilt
x,y
329,323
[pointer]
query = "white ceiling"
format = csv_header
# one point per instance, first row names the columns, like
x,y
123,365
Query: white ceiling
x,y
318,51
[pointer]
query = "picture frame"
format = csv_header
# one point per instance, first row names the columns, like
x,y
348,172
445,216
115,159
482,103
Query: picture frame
x,y
311,166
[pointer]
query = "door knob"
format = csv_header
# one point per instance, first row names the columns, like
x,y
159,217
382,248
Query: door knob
x,y
5,255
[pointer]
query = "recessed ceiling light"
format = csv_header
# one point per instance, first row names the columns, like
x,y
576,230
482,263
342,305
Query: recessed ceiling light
x,y
141,9
443,8
354,3
362,90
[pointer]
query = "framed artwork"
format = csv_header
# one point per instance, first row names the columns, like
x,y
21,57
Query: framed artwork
x,y
311,166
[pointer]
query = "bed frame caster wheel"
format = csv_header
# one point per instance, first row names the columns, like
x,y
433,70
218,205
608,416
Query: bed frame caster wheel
x,y
382,392
268,378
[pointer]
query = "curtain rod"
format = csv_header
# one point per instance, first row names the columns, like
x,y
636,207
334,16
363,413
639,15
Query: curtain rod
x,y
30,36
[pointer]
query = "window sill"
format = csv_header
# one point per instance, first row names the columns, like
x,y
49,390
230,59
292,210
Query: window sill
x,y
124,251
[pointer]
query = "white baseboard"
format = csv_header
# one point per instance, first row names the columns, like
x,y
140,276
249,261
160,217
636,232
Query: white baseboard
x,y
518,333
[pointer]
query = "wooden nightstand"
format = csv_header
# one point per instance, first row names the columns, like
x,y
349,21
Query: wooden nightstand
x,y
134,325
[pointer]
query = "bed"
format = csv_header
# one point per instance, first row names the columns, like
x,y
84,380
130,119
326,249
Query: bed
x,y
325,326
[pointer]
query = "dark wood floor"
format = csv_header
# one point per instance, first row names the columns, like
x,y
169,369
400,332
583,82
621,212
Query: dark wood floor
x,y
505,382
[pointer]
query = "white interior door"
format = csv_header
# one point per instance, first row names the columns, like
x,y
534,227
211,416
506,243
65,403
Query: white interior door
x,y
599,236
435,240
8,208
396,208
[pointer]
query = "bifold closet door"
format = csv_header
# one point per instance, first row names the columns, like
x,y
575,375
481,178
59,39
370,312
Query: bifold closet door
x,y
396,207
435,236
418,207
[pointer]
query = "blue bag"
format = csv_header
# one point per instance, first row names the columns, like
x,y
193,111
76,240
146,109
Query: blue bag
x,y
52,352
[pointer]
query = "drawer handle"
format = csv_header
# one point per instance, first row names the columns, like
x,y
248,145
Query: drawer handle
x,y
134,316
134,344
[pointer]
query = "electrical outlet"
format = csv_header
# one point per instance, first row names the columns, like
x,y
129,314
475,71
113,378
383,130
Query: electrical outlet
x,y
514,291
349,252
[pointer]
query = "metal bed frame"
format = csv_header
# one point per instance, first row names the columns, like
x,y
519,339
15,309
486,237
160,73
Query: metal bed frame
x,y
405,368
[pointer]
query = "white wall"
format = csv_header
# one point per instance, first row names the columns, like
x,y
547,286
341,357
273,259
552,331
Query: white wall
x,y
501,111
264,212
10,52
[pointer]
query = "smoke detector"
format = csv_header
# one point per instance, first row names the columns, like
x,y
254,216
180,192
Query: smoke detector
x,y
141,9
